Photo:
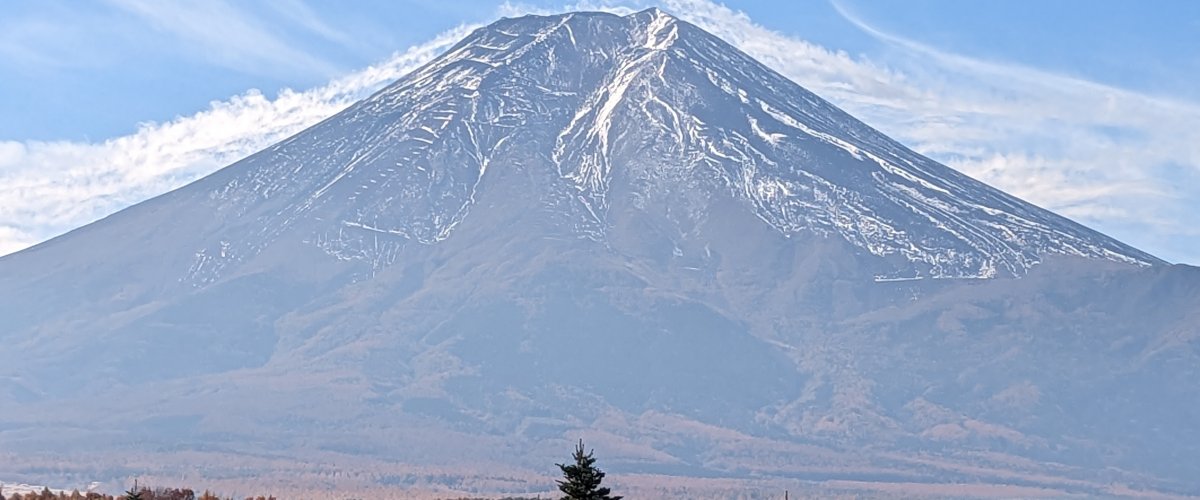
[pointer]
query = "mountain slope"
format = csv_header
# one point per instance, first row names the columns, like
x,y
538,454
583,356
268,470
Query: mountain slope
x,y
670,109
618,226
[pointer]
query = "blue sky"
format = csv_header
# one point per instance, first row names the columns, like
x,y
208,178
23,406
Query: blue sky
x,y
1090,108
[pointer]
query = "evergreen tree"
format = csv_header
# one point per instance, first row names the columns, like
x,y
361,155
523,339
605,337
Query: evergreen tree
x,y
133,495
581,480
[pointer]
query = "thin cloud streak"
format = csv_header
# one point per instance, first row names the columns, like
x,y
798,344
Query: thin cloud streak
x,y
226,35
53,39
302,15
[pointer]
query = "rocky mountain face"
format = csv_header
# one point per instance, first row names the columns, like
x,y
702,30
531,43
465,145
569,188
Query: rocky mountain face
x,y
615,227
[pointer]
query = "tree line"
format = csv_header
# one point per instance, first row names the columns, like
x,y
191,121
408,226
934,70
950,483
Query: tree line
x,y
581,481
134,494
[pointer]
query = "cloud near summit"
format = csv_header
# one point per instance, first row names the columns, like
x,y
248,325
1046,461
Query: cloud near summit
x,y
1125,163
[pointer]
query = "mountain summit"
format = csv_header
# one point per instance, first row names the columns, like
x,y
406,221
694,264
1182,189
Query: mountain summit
x,y
613,113
614,226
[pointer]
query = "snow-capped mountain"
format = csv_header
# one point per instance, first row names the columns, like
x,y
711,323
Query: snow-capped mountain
x,y
645,100
617,226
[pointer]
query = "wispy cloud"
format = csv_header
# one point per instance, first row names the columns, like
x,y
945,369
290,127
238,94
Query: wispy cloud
x,y
228,35
47,188
52,39
302,15
1124,162
271,38
1115,159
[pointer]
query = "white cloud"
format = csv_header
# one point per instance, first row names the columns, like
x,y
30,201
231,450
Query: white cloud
x,y
47,188
1092,152
1102,155
1114,159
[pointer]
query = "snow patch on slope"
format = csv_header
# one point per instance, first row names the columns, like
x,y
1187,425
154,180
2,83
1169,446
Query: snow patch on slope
x,y
646,97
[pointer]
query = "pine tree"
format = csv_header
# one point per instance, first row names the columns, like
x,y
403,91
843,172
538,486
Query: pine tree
x,y
581,480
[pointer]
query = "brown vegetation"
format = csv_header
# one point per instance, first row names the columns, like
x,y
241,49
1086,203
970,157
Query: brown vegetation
x,y
140,494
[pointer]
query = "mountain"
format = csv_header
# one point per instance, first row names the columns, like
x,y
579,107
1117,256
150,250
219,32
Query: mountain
x,y
620,228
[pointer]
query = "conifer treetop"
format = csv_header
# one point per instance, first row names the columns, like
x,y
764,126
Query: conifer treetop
x,y
581,479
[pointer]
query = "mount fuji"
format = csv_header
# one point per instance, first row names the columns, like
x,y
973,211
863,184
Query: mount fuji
x,y
615,227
